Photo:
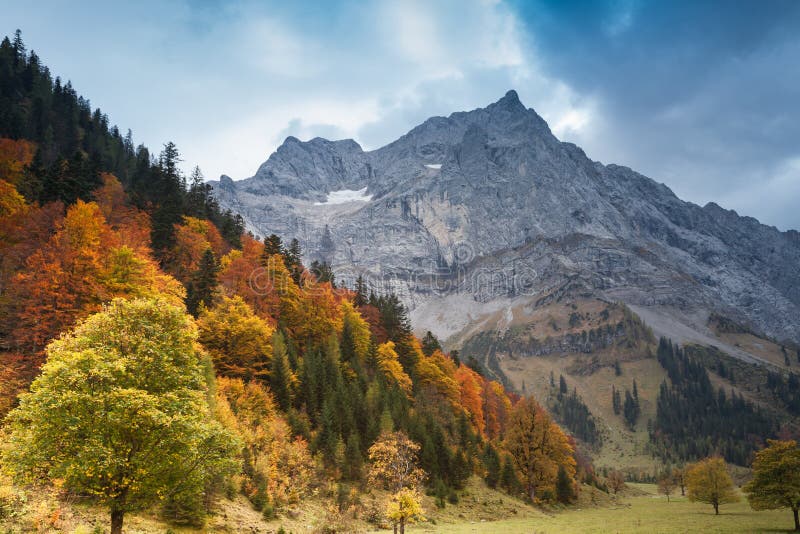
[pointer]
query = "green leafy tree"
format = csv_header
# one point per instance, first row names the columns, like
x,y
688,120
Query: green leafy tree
x,y
776,479
121,411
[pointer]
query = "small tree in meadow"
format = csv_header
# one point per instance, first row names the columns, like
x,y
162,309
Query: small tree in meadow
x,y
403,508
776,479
666,484
616,481
708,481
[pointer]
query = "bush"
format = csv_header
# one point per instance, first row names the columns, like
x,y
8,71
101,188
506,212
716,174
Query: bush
x,y
10,501
453,497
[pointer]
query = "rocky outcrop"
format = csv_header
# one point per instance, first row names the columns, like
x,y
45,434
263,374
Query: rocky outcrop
x,y
489,203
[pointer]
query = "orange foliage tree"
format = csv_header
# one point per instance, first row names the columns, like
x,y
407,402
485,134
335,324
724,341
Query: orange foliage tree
x,y
538,447
15,156
80,266
471,387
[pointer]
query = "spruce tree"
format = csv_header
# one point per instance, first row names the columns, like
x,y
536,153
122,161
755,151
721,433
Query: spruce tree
x,y
564,490
361,294
491,462
280,377
272,245
293,257
430,343
203,285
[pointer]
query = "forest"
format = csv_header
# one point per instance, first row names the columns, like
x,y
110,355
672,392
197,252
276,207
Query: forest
x,y
695,420
136,317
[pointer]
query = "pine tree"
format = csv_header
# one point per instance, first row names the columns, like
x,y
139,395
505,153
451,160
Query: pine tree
x,y
272,246
204,284
280,377
562,385
361,294
430,344
491,462
630,410
353,458
508,477
293,257
565,493
616,401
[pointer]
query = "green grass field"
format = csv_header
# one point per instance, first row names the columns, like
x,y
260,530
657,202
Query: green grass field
x,y
646,513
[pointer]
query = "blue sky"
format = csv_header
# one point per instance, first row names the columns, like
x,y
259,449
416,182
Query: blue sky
x,y
703,96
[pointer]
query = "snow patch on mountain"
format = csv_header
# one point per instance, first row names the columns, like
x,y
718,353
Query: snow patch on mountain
x,y
345,195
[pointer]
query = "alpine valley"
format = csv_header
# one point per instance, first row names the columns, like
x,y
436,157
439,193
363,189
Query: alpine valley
x,y
473,328
534,260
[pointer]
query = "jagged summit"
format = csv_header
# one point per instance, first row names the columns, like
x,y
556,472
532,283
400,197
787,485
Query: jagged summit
x,y
493,191
509,102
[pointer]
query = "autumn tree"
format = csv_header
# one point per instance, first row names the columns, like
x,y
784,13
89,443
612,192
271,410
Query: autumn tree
x,y
708,481
278,468
666,484
471,388
393,462
404,507
776,478
538,447
62,280
616,481
389,365
121,411
237,339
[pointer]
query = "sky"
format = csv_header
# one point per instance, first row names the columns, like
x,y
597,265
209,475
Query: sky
x,y
703,96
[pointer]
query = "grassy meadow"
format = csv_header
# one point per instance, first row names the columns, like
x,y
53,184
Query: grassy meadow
x,y
646,512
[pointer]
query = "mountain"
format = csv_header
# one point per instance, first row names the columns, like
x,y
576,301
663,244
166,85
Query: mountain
x,y
466,214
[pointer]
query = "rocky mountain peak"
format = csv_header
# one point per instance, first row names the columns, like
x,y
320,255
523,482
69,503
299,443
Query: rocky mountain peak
x,y
510,102
492,193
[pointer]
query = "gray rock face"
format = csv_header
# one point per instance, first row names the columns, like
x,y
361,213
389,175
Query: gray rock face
x,y
489,204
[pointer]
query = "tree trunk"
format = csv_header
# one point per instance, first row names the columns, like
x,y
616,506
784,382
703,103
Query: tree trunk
x,y
394,527
716,508
796,519
116,521
402,525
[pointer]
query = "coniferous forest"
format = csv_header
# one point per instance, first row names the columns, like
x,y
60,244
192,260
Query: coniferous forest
x,y
695,420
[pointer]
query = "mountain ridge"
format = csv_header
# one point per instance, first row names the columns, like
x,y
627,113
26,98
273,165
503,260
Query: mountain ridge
x,y
485,183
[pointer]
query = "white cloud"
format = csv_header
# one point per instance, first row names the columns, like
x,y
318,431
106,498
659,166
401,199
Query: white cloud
x,y
228,83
